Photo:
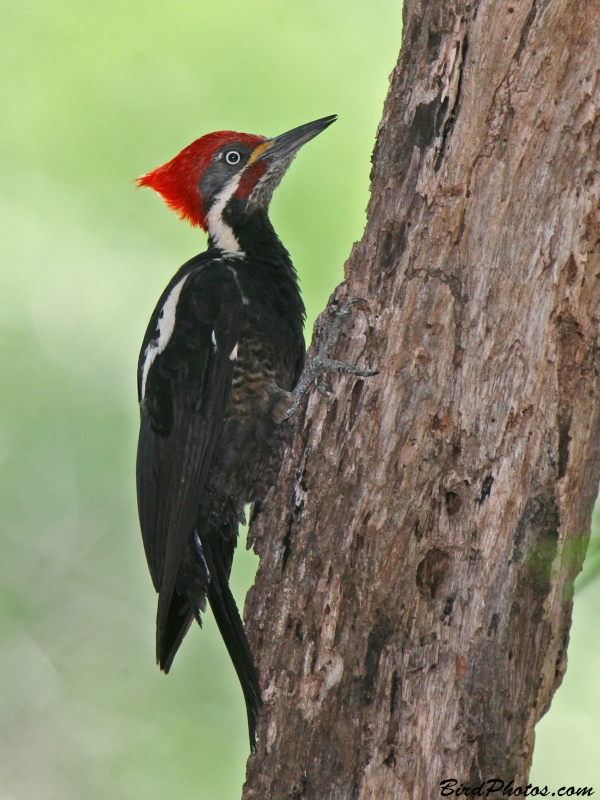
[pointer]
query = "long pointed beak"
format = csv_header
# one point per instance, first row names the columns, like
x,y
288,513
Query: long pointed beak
x,y
288,143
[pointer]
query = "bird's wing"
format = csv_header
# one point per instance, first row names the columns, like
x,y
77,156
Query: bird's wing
x,y
185,378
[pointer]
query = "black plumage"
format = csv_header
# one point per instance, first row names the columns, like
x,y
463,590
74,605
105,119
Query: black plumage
x,y
212,430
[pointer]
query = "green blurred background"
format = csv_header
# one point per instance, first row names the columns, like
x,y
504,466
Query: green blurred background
x,y
94,94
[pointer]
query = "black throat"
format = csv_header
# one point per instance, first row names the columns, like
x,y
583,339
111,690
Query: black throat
x,y
254,233
265,268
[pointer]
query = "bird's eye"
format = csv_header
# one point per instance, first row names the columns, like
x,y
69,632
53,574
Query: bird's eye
x,y
232,157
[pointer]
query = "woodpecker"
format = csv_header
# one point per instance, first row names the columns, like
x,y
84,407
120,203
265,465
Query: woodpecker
x,y
221,358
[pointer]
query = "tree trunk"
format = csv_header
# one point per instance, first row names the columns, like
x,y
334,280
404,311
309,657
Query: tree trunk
x,y
411,612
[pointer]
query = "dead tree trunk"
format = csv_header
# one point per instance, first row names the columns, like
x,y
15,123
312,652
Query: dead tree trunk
x,y
413,602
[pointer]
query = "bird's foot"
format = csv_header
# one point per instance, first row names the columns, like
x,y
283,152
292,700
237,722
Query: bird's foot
x,y
322,363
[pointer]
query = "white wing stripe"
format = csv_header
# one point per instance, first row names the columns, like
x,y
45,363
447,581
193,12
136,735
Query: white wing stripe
x,y
166,325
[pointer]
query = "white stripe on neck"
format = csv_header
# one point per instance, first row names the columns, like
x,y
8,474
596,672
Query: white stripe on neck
x,y
219,231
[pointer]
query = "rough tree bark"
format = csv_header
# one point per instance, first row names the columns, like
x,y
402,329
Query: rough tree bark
x,y
412,607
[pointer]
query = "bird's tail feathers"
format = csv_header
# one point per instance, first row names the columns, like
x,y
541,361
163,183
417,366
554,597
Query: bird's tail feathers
x,y
231,627
178,622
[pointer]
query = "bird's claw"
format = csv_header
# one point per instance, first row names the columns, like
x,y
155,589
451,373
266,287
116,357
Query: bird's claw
x,y
323,388
321,363
345,309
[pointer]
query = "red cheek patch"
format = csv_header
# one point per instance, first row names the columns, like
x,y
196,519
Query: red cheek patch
x,y
250,178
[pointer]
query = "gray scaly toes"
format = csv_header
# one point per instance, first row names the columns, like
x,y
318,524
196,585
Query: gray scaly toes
x,y
322,363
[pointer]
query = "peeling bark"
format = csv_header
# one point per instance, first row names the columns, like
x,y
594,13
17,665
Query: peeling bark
x,y
412,608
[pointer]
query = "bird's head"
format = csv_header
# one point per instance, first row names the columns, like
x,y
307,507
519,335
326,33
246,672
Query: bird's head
x,y
200,182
